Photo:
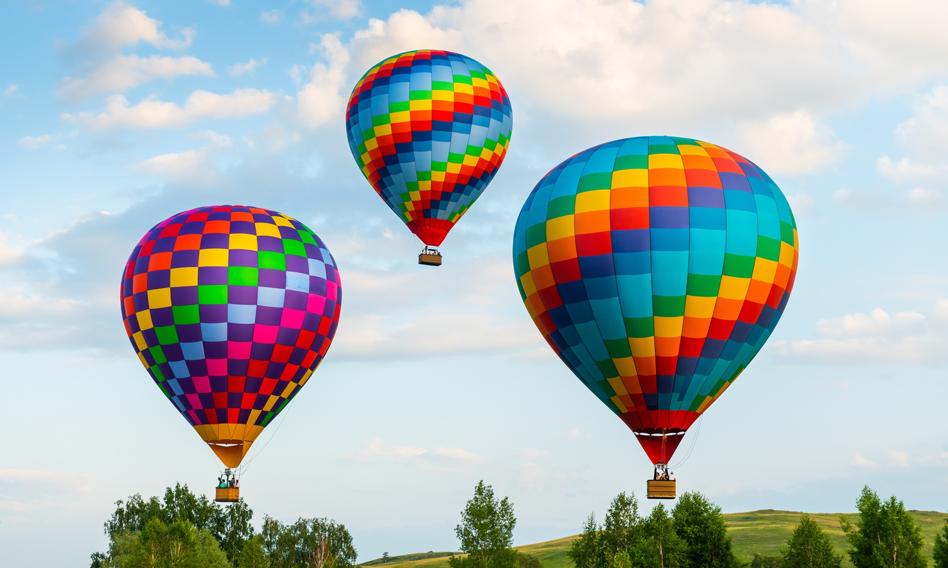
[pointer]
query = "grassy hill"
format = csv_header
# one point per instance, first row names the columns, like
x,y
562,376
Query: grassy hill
x,y
763,532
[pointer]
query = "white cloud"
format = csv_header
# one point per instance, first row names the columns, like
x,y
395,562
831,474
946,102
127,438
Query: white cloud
x,y
18,302
123,72
8,252
790,143
876,336
428,458
154,113
103,68
924,197
321,99
11,89
194,165
941,308
34,142
271,17
877,321
906,169
926,131
246,67
221,3
338,9
859,460
121,25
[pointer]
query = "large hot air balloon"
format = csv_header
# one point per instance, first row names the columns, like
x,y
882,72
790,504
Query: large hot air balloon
x,y
230,309
429,130
656,268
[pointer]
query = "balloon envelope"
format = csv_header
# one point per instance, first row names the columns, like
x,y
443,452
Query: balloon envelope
x,y
429,129
230,309
656,268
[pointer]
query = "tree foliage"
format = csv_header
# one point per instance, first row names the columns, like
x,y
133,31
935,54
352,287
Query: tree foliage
x,y
660,545
699,523
486,531
884,535
182,529
159,545
941,548
309,543
809,547
585,551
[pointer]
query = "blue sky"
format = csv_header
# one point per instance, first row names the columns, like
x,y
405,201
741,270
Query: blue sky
x,y
117,115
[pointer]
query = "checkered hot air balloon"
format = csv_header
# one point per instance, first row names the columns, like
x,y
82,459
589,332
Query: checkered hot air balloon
x,y
230,309
429,129
656,268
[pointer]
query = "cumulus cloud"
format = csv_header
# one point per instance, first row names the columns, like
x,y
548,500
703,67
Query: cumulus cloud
x,y
427,458
34,142
246,67
194,165
11,90
155,113
271,17
337,9
120,73
321,99
790,143
102,66
872,337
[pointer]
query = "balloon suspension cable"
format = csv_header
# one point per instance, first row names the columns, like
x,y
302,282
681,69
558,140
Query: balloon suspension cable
x,y
256,453
691,447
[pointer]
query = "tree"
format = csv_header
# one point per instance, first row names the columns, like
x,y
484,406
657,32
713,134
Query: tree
x,y
809,547
621,560
230,526
159,545
309,543
585,552
252,554
766,562
941,548
622,528
486,531
884,535
700,525
660,545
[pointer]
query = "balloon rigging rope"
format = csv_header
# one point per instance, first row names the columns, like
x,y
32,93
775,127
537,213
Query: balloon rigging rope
x,y
694,442
256,454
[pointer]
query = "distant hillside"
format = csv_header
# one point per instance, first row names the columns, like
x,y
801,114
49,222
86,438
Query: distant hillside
x,y
762,532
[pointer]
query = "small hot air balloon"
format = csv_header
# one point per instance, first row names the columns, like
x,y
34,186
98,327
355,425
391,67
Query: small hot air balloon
x,y
429,129
656,268
230,309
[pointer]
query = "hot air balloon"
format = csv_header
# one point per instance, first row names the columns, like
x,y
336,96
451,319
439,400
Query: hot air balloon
x,y
656,268
429,129
230,309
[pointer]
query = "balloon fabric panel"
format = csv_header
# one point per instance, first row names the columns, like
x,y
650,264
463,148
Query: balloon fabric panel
x,y
429,129
230,309
656,268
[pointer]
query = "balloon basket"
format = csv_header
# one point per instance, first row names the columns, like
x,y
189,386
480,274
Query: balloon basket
x,y
227,494
430,257
661,488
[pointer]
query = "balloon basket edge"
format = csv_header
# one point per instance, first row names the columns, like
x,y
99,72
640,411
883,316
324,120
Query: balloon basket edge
x,y
660,488
227,494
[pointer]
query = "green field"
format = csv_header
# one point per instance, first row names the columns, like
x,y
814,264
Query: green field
x,y
763,532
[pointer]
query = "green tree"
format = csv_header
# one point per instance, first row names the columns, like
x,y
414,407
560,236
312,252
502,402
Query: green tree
x,y
941,548
585,551
766,562
307,543
527,561
884,535
252,554
700,525
622,528
621,560
486,531
159,545
231,526
809,547
660,545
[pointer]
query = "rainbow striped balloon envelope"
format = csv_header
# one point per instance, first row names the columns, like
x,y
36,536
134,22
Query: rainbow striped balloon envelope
x,y
656,268
429,129
230,309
